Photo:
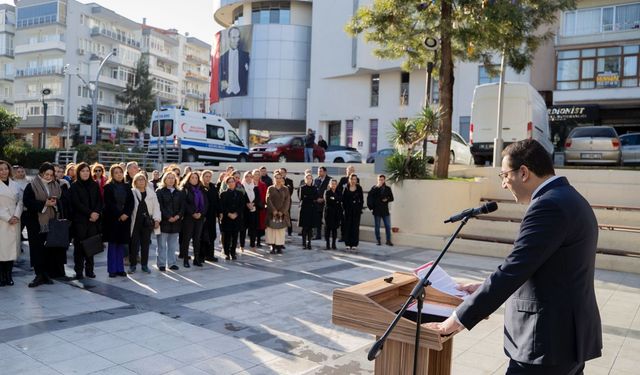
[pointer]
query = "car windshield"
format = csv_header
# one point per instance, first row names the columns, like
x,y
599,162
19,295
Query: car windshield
x,y
337,148
604,132
280,140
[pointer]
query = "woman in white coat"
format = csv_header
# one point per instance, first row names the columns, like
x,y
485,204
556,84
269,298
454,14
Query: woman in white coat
x,y
10,211
145,219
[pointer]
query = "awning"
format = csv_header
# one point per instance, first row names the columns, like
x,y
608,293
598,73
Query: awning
x,y
126,128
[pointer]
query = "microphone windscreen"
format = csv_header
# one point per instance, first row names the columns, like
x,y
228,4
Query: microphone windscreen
x,y
490,207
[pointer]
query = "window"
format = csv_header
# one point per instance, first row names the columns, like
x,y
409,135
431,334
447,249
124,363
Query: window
x,y
37,14
484,77
237,16
215,132
373,135
233,138
601,20
607,67
349,128
375,89
404,88
297,143
271,12
166,126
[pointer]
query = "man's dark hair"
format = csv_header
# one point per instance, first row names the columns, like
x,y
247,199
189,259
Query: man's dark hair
x,y
233,28
383,176
530,153
323,168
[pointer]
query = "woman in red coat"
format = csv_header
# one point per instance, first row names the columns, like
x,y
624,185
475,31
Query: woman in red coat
x,y
262,212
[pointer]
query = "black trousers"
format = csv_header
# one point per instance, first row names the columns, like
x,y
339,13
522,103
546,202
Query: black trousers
x,y
330,233
208,238
80,260
40,257
307,235
191,231
319,221
230,242
352,229
519,368
140,241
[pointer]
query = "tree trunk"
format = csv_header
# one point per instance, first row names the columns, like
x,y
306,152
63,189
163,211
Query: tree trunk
x,y
441,163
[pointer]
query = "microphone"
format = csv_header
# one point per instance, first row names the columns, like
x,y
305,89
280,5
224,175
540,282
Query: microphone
x,y
471,212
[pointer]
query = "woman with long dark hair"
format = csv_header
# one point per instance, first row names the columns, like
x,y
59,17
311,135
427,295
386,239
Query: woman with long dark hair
x,y
10,212
209,233
98,175
195,210
41,198
332,213
116,223
352,202
232,203
307,217
86,213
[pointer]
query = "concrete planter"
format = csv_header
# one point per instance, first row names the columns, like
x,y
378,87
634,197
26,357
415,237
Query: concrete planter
x,y
422,206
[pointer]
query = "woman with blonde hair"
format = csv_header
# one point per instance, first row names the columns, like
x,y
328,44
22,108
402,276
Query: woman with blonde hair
x,y
278,201
10,212
145,219
171,201
116,223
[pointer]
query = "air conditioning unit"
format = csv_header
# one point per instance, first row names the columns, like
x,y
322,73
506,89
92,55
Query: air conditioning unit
x,y
80,51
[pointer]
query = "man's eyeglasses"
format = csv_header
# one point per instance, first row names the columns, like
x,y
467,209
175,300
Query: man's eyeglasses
x,y
504,174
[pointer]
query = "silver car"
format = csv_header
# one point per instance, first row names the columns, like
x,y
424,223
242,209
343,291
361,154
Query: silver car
x,y
630,146
592,145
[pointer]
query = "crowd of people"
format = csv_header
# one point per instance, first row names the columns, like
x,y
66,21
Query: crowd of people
x,y
183,209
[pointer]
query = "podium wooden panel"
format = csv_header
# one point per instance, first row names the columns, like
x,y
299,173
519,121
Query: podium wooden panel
x,y
371,306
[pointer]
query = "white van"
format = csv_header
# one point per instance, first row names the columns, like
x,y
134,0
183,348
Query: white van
x,y
524,116
200,136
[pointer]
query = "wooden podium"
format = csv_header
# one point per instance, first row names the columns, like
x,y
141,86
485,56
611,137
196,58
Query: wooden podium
x,y
371,306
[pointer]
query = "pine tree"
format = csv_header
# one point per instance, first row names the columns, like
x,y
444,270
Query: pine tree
x,y
468,30
139,97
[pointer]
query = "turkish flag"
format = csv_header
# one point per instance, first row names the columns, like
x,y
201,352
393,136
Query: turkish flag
x,y
214,92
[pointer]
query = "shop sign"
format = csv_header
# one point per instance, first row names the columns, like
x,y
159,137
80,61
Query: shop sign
x,y
581,113
608,79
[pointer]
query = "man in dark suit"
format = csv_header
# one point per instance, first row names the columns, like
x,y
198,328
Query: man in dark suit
x,y
551,322
322,183
234,67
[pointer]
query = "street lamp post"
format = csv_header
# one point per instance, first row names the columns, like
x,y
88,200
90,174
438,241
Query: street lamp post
x,y
94,99
498,142
66,112
45,105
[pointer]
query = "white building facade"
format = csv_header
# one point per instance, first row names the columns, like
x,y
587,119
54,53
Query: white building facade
x,y
7,32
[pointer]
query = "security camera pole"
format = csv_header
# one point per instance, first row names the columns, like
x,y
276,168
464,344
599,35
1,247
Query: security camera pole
x,y
45,105
94,99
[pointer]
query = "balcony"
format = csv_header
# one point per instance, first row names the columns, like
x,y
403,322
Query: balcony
x,y
196,76
168,96
195,93
6,52
620,95
111,36
39,71
106,80
38,21
8,28
7,77
197,59
155,71
57,43
36,97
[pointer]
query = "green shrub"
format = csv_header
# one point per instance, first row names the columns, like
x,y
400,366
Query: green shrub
x,y
89,153
399,167
22,153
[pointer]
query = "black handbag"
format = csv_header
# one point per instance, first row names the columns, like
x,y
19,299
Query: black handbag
x,y
92,245
58,235
147,220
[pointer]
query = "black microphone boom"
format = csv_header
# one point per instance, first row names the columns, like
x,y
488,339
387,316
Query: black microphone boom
x,y
471,212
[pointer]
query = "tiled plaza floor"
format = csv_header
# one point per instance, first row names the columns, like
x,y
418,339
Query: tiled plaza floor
x,y
263,314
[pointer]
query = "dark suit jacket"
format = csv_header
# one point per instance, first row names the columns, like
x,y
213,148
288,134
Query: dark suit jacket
x,y
243,72
322,186
551,315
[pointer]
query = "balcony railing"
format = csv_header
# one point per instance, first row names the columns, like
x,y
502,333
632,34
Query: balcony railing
x,y
6,52
96,31
195,93
198,59
197,76
40,71
35,21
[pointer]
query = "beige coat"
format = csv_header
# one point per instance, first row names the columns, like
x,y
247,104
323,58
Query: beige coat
x,y
278,200
10,205
152,205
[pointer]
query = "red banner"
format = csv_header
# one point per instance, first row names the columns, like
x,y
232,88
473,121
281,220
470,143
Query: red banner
x,y
214,92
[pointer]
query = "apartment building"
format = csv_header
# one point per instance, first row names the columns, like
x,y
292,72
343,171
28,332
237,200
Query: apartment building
x,y
7,32
60,44
596,67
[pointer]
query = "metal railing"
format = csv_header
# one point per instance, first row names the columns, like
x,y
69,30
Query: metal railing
x,y
66,157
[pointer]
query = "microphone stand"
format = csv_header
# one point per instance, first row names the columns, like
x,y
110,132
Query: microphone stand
x,y
418,295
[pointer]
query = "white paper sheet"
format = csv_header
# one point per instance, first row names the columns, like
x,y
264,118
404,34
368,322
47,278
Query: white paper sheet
x,y
441,281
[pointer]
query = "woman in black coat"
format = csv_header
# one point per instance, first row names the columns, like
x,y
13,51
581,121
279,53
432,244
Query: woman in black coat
x,y
209,233
195,211
250,224
332,213
352,202
42,200
232,204
116,222
171,201
86,212
308,210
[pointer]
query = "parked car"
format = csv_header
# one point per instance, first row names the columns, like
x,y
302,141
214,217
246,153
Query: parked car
x,y
460,151
284,149
385,152
342,154
630,148
592,145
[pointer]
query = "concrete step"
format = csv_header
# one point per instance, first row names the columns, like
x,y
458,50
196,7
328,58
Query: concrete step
x,y
492,249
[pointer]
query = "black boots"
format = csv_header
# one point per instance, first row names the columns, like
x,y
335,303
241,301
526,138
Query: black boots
x,y
5,273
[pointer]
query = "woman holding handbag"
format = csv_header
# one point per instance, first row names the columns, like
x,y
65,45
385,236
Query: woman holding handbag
x,y
118,208
278,220
145,219
86,213
10,212
195,211
41,198
250,212
307,217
